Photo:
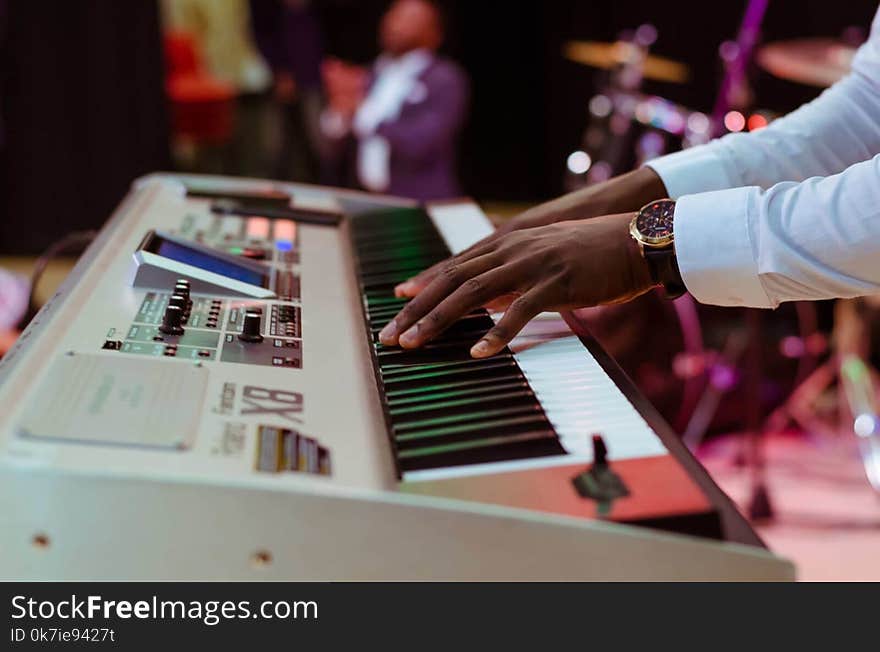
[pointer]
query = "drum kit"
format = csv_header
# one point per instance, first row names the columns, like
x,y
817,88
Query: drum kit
x,y
707,368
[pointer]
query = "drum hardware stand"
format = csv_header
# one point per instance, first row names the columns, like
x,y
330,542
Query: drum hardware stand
x,y
615,103
856,389
760,507
722,377
735,89
861,398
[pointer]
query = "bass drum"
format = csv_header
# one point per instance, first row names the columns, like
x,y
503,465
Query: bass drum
x,y
678,351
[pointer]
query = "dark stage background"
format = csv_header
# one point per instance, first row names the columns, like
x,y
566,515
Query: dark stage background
x,y
83,112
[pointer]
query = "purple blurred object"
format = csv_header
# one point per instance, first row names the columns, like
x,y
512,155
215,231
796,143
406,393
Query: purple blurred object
x,y
14,294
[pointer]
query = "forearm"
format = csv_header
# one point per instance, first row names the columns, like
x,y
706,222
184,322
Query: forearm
x,y
627,192
623,194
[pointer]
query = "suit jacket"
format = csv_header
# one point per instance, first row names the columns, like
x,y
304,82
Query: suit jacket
x,y
423,138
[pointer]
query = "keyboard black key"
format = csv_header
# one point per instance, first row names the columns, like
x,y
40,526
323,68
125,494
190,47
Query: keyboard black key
x,y
541,443
469,390
419,426
444,407
468,365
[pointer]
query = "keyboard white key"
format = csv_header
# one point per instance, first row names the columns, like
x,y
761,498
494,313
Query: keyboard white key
x,y
461,225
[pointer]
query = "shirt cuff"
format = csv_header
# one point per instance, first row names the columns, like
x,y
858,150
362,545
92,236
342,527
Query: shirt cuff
x,y
698,169
713,246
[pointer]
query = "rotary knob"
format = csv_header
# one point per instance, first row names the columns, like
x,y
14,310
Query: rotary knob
x,y
178,300
250,329
172,321
182,288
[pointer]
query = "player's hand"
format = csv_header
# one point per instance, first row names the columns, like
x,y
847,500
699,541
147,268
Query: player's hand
x,y
628,192
555,267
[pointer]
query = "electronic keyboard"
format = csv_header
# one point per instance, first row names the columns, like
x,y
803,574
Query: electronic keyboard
x,y
206,397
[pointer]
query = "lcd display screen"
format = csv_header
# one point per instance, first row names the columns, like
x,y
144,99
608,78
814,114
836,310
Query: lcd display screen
x,y
209,263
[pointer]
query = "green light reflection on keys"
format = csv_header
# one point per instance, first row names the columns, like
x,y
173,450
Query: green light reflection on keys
x,y
476,443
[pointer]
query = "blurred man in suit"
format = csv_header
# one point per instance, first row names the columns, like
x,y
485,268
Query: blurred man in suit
x,y
396,125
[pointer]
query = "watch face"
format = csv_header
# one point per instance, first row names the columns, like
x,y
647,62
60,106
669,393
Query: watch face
x,y
655,220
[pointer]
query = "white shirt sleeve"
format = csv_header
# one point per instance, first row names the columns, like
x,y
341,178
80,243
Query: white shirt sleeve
x,y
756,224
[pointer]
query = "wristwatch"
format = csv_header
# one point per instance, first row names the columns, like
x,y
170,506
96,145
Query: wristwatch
x,y
652,229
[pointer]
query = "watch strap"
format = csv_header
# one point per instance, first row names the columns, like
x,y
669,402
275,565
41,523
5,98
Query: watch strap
x,y
663,267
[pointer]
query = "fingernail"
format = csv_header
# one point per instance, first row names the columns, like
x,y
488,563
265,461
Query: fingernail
x,y
387,334
480,349
410,336
403,289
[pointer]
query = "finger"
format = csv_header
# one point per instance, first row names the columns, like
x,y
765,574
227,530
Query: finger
x,y
411,287
444,284
520,313
500,304
416,284
472,294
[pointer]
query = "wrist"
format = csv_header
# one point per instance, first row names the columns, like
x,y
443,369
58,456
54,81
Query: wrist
x,y
639,268
652,229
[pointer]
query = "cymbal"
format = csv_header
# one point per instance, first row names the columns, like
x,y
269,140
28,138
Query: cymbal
x,y
812,61
611,55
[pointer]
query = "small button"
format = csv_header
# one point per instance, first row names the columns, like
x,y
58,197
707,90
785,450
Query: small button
x,y
278,343
277,361
285,234
258,228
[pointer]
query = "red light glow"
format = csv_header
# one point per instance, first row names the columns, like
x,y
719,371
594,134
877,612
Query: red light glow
x,y
757,121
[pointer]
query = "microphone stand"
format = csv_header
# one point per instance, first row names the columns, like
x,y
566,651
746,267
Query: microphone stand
x,y
760,507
